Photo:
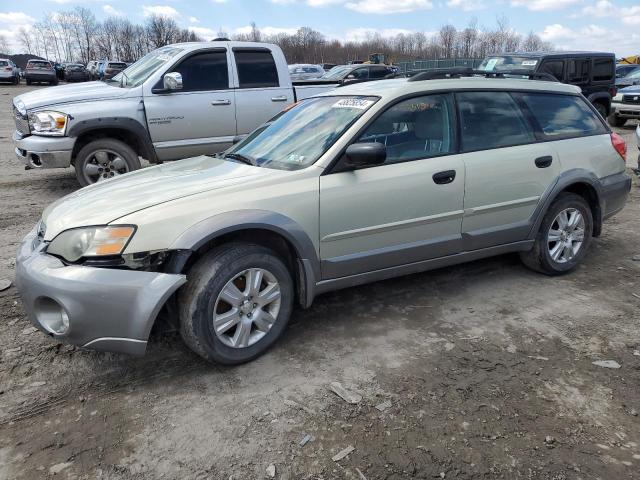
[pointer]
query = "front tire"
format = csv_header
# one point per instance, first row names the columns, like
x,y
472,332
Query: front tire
x,y
563,238
236,304
615,121
601,108
104,159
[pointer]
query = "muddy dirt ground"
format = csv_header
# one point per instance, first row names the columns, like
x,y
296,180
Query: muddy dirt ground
x,y
479,371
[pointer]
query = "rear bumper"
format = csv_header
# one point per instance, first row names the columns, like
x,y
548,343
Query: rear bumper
x,y
41,77
614,190
43,152
105,309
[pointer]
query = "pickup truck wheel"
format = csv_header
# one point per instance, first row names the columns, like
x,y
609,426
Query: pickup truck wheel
x,y
564,236
236,303
601,108
615,121
104,159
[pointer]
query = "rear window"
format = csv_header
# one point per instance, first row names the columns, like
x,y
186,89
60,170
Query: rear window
x,y
37,64
563,115
603,69
491,120
256,69
4,63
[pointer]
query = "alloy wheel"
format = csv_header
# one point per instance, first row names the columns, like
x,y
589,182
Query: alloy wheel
x,y
566,235
104,165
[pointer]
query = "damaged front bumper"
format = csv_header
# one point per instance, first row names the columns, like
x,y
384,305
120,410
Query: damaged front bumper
x,y
97,308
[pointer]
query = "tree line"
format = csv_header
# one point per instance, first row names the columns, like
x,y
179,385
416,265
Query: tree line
x,y
76,35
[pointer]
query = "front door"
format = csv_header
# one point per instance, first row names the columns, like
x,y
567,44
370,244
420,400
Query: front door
x,y
406,210
200,118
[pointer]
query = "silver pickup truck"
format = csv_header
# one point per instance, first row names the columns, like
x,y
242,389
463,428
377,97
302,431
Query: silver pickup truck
x,y
178,101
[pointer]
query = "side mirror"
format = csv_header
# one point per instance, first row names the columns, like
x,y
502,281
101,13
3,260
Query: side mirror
x,y
351,76
172,81
359,155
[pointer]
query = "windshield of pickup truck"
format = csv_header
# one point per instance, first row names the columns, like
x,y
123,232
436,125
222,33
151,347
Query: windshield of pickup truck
x,y
138,72
303,134
508,62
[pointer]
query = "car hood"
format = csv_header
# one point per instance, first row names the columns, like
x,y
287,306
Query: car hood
x,y
62,94
105,202
631,89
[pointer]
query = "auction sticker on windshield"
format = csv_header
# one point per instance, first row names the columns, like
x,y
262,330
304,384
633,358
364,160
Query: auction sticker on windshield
x,y
357,103
529,63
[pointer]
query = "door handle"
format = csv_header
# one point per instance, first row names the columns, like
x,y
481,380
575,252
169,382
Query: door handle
x,y
544,162
282,98
221,102
442,178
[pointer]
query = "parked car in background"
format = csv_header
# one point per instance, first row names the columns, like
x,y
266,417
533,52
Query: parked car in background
x,y
305,71
630,79
359,72
40,71
9,72
625,106
76,72
111,69
593,72
178,101
622,70
330,195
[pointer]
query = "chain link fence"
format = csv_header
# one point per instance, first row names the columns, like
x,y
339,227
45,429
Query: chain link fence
x,y
439,63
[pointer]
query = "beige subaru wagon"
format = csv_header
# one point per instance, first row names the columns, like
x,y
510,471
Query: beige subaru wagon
x,y
363,183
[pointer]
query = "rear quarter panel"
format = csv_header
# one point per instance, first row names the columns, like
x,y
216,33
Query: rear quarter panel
x,y
594,153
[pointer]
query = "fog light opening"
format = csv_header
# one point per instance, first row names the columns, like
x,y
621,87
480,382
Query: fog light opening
x,y
52,316
35,160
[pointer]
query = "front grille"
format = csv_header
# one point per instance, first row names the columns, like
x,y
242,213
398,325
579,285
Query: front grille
x,y
633,99
22,122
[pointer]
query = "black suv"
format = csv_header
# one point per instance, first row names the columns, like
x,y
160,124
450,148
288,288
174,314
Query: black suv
x,y
593,72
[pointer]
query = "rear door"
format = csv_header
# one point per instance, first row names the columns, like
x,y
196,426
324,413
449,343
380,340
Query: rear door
x,y
507,169
260,93
200,118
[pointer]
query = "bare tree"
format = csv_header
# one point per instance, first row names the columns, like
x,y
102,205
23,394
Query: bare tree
x,y
4,45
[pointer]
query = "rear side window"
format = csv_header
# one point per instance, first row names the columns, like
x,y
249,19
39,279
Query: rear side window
x,y
204,71
491,120
553,67
256,69
603,69
562,115
3,63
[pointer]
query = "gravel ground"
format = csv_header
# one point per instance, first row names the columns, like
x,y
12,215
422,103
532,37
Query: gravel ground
x,y
483,370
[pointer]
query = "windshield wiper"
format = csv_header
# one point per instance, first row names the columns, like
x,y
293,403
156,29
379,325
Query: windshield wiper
x,y
241,158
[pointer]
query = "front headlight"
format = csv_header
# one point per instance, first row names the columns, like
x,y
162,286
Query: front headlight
x,y
21,107
76,243
48,123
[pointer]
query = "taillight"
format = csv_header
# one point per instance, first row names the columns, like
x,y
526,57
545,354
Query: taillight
x,y
620,145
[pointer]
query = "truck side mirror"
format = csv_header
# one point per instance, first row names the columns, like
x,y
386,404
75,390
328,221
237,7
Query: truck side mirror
x,y
172,81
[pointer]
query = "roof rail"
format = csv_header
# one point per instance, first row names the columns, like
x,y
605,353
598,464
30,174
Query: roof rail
x,y
457,72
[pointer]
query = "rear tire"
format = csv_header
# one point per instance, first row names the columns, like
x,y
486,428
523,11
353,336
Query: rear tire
x,y
615,121
92,165
233,332
556,257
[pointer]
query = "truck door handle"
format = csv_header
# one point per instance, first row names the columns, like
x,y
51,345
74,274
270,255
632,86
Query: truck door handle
x,y
442,178
282,98
221,102
544,162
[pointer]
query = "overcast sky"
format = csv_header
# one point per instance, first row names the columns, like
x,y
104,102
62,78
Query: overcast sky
x,y
569,24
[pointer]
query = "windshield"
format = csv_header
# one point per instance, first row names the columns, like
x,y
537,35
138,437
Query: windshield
x,y
337,72
138,72
300,136
634,74
508,62
38,65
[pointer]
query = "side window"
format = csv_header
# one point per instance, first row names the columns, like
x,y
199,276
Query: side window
x,y
416,128
361,73
603,70
256,69
553,67
491,120
378,72
578,71
204,71
562,115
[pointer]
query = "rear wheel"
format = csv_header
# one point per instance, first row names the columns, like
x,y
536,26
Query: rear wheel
x,y
104,159
236,304
615,121
563,238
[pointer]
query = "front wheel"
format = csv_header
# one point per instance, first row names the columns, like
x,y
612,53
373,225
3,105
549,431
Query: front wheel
x,y
615,121
563,238
104,159
601,108
236,304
